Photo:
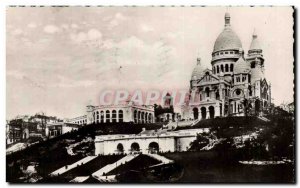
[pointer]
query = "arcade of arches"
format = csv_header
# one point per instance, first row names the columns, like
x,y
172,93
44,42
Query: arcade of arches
x,y
204,112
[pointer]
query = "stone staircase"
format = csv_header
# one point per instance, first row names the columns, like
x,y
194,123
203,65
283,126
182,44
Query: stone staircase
x,y
100,174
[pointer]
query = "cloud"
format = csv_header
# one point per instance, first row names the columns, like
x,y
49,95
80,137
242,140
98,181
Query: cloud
x,y
146,28
51,29
74,26
116,20
65,82
93,35
31,25
17,32
15,73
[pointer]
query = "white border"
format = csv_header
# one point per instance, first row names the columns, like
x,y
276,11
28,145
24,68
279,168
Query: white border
x,y
4,3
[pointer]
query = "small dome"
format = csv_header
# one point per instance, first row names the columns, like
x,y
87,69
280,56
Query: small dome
x,y
198,71
228,39
255,45
241,66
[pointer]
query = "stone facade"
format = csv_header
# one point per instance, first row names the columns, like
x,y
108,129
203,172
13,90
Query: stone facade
x,y
146,142
234,86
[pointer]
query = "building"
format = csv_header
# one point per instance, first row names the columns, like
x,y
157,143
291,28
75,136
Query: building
x,y
126,112
59,128
234,86
24,127
148,141
81,120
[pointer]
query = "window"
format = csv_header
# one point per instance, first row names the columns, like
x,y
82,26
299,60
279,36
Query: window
x,y
231,52
226,68
217,95
114,116
231,67
244,78
207,92
226,52
238,79
218,70
252,65
102,116
238,92
222,68
135,115
107,116
120,115
221,53
97,117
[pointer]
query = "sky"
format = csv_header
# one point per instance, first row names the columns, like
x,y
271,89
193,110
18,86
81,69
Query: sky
x,y
59,59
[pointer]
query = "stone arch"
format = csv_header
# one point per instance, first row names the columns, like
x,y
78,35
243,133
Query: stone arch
x,y
146,117
120,148
143,117
107,115
211,110
196,113
150,118
231,67
203,113
153,147
102,116
120,115
135,116
114,116
94,117
217,95
135,147
97,117
139,116
207,92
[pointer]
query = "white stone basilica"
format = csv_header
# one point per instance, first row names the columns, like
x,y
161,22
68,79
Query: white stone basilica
x,y
235,84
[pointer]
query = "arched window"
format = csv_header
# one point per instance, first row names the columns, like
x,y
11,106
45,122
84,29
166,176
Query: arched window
x,y
252,65
114,116
97,117
207,92
120,115
226,68
143,117
139,117
94,117
135,116
222,68
150,118
102,117
146,117
231,67
107,113
214,70
218,70
217,95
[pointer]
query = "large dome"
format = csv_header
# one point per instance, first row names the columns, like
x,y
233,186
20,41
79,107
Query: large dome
x,y
228,39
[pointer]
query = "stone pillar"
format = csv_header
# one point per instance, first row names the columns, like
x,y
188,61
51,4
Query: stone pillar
x,y
89,110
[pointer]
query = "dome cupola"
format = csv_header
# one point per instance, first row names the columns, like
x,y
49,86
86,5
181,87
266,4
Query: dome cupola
x,y
228,39
255,47
198,71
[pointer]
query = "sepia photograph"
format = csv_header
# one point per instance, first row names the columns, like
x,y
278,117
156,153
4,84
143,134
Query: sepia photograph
x,y
150,94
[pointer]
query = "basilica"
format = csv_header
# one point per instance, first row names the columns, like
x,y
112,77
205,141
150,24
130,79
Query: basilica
x,y
234,86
